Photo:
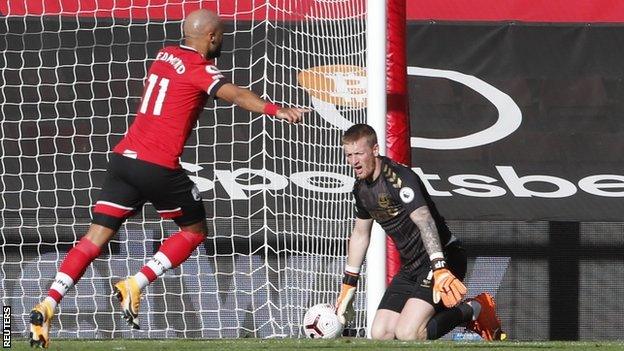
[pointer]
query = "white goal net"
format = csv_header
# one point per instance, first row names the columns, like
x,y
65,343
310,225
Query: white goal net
x,y
277,195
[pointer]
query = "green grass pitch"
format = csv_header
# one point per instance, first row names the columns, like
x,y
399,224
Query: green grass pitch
x,y
318,345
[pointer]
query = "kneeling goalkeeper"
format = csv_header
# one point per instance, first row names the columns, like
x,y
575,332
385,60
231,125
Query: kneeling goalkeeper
x,y
424,300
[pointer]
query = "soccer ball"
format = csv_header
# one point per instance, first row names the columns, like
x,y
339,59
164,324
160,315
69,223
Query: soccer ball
x,y
320,321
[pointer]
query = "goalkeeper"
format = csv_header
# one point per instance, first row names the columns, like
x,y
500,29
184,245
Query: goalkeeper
x,y
145,166
424,301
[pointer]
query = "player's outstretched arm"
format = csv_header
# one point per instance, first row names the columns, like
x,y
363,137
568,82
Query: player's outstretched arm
x,y
250,101
358,244
446,286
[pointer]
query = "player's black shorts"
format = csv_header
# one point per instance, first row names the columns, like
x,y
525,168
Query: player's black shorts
x,y
130,183
419,285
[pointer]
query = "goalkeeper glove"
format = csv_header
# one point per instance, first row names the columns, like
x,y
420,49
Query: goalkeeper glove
x,y
445,285
344,304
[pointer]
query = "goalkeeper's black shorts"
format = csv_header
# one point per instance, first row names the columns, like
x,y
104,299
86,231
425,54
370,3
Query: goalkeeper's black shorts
x,y
129,183
419,284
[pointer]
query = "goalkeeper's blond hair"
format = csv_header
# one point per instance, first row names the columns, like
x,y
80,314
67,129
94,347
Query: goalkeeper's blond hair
x,y
359,131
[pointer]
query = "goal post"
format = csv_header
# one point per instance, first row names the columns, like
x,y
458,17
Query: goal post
x,y
387,77
376,117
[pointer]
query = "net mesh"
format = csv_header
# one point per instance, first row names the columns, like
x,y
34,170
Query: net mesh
x,y
276,194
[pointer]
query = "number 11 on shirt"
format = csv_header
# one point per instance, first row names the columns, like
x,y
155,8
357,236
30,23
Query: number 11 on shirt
x,y
162,90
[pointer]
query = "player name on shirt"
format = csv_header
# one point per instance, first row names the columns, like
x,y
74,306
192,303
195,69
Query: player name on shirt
x,y
174,61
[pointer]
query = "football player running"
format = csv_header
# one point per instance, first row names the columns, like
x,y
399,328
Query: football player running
x,y
145,166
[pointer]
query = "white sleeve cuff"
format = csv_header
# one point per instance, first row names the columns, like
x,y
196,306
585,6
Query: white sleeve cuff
x,y
436,255
352,269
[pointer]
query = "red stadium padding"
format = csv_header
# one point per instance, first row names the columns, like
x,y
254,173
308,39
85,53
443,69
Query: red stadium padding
x,y
175,9
450,10
397,119
520,10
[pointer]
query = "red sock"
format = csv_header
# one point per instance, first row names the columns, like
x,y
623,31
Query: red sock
x,y
73,267
173,251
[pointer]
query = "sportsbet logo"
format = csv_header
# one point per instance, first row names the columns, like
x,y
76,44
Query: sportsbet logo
x,y
509,182
331,87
